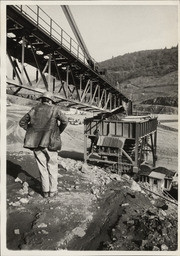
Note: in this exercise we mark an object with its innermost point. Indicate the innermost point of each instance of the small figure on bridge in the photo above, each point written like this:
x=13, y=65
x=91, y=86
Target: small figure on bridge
x=43, y=124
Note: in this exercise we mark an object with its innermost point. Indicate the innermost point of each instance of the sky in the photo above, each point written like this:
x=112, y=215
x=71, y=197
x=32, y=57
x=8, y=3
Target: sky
x=113, y=30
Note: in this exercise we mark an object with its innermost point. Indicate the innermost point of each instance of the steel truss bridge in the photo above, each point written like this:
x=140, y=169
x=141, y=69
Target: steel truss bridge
x=60, y=65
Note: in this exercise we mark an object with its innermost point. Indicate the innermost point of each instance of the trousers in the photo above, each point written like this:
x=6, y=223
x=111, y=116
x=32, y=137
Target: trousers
x=48, y=168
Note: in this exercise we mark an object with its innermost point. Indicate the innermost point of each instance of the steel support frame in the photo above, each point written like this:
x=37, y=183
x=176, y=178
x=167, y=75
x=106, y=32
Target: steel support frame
x=142, y=146
x=93, y=94
x=35, y=38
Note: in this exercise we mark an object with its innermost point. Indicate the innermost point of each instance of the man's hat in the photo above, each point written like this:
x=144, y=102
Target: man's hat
x=47, y=95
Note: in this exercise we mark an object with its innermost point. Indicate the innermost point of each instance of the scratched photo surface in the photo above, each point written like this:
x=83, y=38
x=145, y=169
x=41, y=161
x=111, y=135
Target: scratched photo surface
x=90, y=127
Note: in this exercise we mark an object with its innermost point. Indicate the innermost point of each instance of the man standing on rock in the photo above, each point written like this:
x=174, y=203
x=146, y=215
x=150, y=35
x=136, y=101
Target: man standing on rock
x=43, y=124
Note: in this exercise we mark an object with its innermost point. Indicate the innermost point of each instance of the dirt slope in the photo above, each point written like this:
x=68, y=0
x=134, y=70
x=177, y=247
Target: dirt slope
x=94, y=209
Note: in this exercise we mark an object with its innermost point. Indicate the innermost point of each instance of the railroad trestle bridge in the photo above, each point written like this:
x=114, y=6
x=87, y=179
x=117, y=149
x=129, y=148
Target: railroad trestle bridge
x=59, y=64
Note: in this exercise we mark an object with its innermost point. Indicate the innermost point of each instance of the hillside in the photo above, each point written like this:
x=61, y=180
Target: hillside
x=146, y=75
x=148, y=78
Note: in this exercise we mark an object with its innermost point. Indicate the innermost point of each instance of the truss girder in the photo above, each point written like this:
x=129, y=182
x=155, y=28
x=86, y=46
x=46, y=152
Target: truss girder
x=70, y=80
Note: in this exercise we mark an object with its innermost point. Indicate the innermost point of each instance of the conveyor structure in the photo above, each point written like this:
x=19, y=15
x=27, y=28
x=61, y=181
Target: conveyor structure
x=58, y=63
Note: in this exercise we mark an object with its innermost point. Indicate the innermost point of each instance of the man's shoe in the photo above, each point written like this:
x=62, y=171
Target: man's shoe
x=45, y=194
x=52, y=194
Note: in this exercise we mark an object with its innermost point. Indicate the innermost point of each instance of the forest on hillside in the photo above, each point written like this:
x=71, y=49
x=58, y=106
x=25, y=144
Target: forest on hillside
x=143, y=63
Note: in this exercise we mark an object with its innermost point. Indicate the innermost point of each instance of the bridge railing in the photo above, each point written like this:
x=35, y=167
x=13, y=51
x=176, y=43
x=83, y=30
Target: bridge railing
x=43, y=21
x=46, y=23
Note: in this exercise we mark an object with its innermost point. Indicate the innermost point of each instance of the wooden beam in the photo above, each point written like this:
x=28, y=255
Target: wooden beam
x=127, y=156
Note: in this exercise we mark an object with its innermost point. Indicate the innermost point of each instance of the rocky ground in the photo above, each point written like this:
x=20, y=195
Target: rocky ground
x=95, y=209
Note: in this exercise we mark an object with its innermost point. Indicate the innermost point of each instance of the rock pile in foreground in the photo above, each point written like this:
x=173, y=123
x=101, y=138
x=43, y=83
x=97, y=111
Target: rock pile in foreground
x=151, y=231
x=95, y=209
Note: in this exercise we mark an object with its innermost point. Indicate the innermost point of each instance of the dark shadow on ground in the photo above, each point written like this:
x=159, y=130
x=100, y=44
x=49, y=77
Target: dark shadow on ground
x=72, y=154
x=15, y=170
x=174, y=193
